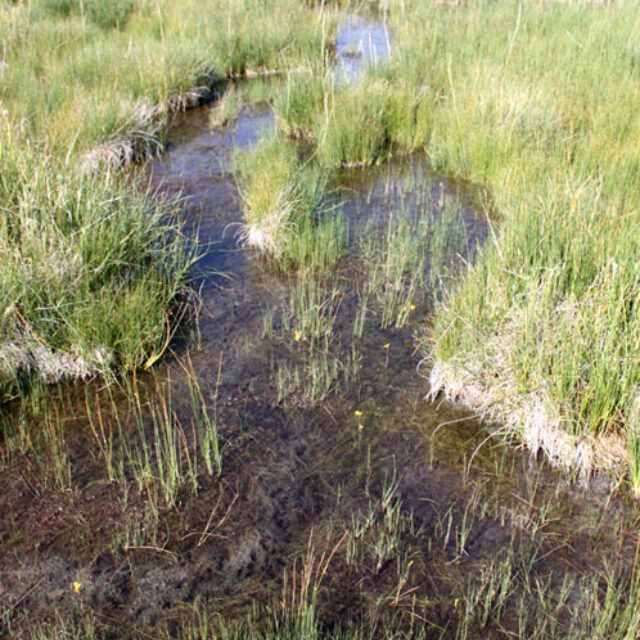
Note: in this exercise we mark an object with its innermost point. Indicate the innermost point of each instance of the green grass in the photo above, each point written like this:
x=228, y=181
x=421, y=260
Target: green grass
x=414, y=256
x=319, y=364
x=363, y=122
x=92, y=274
x=544, y=328
x=279, y=193
x=89, y=278
x=160, y=448
x=354, y=129
x=633, y=448
x=545, y=325
x=148, y=441
x=395, y=263
x=541, y=334
x=86, y=73
x=107, y=14
x=301, y=99
x=316, y=244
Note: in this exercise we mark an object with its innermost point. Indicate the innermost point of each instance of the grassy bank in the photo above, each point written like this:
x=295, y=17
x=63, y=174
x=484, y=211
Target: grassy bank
x=88, y=77
x=90, y=270
x=92, y=274
x=542, y=334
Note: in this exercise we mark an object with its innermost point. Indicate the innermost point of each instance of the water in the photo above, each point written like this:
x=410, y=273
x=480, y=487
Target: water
x=360, y=43
x=302, y=467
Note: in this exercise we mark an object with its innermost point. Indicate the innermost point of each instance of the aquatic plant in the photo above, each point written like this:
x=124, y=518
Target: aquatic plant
x=395, y=263
x=277, y=191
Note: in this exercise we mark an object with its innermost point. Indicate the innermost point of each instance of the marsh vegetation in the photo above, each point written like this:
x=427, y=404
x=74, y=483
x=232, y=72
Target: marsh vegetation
x=227, y=372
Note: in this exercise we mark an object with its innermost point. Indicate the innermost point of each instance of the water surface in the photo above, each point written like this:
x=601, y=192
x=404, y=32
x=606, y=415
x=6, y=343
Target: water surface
x=298, y=468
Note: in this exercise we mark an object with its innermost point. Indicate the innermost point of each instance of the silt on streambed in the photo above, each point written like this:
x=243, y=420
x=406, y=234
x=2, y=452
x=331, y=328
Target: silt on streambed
x=341, y=500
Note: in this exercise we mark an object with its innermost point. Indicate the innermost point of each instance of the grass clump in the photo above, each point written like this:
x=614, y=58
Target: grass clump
x=278, y=191
x=355, y=130
x=319, y=362
x=349, y=125
x=88, y=280
x=542, y=331
x=78, y=85
x=361, y=122
x=317, y=243
x=107, y=14
x=413, y=256
x=90, y=271
x=302, y=98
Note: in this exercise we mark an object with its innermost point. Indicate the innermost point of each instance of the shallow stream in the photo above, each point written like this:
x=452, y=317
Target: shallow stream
x=330, y=451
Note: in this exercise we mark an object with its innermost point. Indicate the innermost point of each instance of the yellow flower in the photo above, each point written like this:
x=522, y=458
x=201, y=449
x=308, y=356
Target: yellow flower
x=412, y=307
x=297, y=335
x=77, y=586
x=357, y=413
x=386, y=346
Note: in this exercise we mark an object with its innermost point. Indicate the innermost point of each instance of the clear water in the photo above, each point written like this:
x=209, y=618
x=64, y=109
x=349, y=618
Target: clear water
x=297, y=468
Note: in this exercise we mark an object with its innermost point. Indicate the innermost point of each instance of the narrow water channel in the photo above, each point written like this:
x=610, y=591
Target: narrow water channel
x=329, y=447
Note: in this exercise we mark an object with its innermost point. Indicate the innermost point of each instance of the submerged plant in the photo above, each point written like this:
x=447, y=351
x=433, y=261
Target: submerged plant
x=395, y=263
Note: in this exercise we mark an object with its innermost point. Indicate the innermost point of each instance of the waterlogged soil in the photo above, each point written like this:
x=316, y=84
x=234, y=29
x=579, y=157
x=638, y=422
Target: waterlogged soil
x=400, y=504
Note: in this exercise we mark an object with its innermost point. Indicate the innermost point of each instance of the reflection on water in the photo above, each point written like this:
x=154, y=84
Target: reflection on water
x=360, y=43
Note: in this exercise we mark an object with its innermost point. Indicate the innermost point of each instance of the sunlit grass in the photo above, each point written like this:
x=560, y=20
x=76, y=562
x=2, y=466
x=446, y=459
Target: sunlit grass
x=543, y=328
x=83, y=74
x=93, y=276
x=545, y=324
x=280, y=195
x=88, y=279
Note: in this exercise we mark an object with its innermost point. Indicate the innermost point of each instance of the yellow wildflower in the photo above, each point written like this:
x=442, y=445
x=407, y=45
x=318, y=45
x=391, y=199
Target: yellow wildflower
x=297, y=335
x=386, y=346
x=357, y=413
x=77, y=586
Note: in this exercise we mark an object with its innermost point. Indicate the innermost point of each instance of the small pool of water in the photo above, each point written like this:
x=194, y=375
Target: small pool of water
x=360, y=43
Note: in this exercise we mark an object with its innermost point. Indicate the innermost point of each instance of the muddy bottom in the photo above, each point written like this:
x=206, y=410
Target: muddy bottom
x=338, y=488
